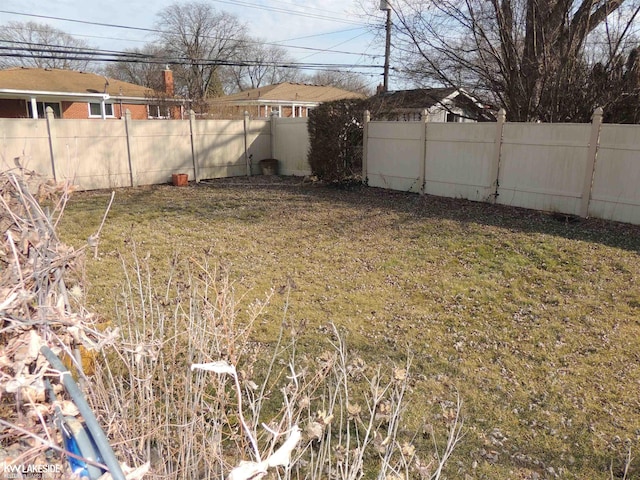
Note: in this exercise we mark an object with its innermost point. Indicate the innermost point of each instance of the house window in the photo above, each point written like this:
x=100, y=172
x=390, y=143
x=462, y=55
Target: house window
x=159, y=111
x=453, y=118
x=411, y=117
x=96, y=111
x=42, y=108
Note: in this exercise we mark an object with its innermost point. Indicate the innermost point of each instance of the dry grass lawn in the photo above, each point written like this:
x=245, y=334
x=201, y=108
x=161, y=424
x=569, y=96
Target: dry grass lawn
x=534, y=320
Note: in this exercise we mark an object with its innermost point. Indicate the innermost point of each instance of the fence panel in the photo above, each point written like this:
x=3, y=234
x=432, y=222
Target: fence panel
x=92, y=154
x=615, y=194
x=458, y=160
x=542, y=166
x=28, y=140
x=258, y=143
x=219, y=146
x=291, y=146
x=395, y=151
x=158, y=150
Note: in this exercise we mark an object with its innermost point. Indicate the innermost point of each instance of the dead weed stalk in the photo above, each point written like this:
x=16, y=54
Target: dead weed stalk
x=307, y=416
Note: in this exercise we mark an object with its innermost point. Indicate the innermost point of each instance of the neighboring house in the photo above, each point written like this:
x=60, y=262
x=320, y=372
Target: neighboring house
x=442, y=104
x=285, y=99
x=27, y=92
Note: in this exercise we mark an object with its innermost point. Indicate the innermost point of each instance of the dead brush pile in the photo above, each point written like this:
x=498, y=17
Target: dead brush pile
x=37, y=308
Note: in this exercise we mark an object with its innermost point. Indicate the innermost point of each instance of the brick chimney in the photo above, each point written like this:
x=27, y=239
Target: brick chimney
x=167, y=81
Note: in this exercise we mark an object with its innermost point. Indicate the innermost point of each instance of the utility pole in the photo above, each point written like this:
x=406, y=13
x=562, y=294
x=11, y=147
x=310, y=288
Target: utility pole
x=384, y=5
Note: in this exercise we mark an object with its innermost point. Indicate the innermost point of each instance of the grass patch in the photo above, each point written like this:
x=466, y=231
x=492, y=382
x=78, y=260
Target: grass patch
x=536, y=322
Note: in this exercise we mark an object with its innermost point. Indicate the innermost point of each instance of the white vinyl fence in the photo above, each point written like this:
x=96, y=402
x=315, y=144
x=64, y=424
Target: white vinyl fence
x=96, y=154
x=575, y=169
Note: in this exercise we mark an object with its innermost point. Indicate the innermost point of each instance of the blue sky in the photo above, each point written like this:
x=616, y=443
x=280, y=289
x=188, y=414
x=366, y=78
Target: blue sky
x=330, y=24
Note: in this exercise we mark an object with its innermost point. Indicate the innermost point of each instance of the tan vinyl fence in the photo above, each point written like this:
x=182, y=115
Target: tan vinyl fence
x=291, y=145
x=575, y=169
x=96, y=154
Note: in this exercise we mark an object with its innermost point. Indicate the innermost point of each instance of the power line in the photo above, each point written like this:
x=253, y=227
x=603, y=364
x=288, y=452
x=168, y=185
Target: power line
x=85, y=22
x=110, y=25
x=318, y=50
x=337, y=45
x=274, y=42
x=290, y=12
x=306, y=7
x=335, y=32
x=48, y=51
x=47, y=47
x=53, y=52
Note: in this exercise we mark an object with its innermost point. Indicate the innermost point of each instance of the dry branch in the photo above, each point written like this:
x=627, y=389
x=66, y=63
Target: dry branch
x=35, y=310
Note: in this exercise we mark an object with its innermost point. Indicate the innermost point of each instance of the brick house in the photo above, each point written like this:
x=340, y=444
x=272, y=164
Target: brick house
x=286, y=99
x=27, y=92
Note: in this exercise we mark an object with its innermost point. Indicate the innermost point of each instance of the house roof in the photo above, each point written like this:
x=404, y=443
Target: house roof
x=289, y=92
x=55, y=81
x=421, y=98
x=417, y=98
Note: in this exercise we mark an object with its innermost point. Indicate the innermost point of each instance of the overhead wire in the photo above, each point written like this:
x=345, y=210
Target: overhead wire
x=19, y=46
x=290, y=12
x=157, y=31
x=335, y=32
x=329, y=49
x=48, y=51
x=45, y=51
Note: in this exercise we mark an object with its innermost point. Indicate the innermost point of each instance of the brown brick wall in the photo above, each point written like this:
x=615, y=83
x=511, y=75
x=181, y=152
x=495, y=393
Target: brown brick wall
x=80, y=110
x=138, y=112
x=75, y=110
x=13, y=108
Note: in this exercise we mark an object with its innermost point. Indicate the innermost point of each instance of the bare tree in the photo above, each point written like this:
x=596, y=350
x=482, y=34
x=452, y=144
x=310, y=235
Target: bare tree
x=259, y=64
x=38, y=45
x=147, y=71
x=199, y=40
x=617, y=87
x=532, y=56
x=351, y=81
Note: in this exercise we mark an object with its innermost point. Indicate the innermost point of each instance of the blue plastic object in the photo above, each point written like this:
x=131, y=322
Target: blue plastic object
x=77, y=439
x=93, y=428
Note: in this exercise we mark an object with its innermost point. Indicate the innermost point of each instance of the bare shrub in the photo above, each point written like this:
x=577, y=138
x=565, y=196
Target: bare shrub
x=201, y=424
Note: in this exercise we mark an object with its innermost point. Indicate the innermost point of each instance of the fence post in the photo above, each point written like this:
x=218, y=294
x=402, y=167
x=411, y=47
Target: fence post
x=245, y=124
x=272, y=130
x=423, y=139
x=127, y=121
x=596, y=123
x=49, y=115
x=365, y=147
x=494, y=174
x=192, y=134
